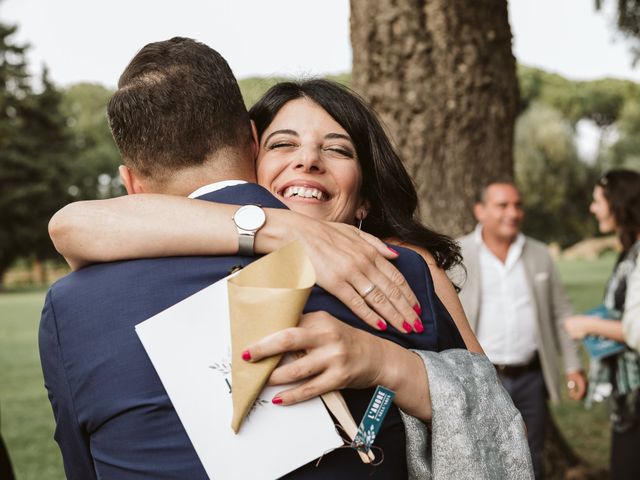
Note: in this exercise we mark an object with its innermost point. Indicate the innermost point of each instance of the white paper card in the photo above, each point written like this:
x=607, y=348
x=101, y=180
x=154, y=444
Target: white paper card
x=190, y=348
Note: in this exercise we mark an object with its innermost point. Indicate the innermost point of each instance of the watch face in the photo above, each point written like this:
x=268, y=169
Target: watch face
x=249, y=217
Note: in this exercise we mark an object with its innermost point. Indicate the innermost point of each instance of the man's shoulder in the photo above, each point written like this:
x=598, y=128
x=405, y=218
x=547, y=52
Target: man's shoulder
x=141, y=284
x=537, y=248
x=467, y=242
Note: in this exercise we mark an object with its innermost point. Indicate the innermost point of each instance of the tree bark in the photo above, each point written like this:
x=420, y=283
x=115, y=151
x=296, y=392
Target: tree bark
x=441, y=75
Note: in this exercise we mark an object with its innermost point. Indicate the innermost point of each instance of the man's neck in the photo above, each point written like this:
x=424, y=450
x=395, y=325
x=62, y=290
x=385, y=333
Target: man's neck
x=185, y=188
x=187, y=180
x=499, y=246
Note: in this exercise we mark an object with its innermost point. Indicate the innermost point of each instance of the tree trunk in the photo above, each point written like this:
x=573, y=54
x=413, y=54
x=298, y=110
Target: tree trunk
x=441, y=75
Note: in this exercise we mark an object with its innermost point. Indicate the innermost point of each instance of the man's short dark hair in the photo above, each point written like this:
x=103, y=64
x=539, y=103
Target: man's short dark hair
x=481, y=197
x=177, y=103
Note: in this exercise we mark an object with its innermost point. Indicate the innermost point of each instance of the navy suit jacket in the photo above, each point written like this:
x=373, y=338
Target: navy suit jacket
x=114, y=418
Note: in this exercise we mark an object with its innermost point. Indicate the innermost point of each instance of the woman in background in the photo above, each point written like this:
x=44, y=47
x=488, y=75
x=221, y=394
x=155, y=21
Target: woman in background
x=616, y=206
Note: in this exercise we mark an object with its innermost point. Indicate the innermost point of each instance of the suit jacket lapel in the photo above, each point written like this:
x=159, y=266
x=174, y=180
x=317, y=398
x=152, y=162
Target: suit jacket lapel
x=472, y=285
x=528, y=261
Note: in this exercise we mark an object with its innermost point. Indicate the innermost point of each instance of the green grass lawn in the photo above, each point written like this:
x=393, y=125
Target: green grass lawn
x=586, y=430
x=27, y=421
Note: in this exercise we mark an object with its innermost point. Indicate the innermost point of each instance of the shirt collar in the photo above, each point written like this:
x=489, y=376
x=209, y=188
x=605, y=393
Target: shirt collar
x=212, y=187
x=515, y=249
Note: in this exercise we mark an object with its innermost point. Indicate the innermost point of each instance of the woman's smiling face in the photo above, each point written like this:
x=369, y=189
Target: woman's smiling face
x=309, y=162
x=601, y=210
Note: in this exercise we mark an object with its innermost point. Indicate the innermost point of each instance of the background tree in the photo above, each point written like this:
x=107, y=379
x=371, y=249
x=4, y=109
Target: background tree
x=35, y=158
x=628, y=22
x=14, y=87
x=95, y=163
x=625, y=151
x=545, y=152
x=600, y=101
x=442, y=76
x=42, y=176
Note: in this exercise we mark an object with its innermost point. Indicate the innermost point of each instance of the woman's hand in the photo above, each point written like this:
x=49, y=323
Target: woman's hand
x=578, y=326
x=337, y=356
x=354, y=267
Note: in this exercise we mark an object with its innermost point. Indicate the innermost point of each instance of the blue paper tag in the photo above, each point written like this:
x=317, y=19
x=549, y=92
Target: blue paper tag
x=373, y=418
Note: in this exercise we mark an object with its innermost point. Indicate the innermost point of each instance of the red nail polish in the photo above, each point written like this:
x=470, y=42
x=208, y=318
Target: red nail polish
x=417, y=309
x=407, y=327
x=246, y=355
x=418, y=326
x=276, y=400
x=394, y=251
x=382, y=325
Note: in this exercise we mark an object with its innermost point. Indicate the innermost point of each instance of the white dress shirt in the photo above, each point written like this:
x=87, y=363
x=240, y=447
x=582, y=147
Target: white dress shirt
x=507, y=324
x=212, y=187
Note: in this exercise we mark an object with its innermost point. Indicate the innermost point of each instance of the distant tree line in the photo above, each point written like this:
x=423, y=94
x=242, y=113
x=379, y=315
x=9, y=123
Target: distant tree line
x=56, y=147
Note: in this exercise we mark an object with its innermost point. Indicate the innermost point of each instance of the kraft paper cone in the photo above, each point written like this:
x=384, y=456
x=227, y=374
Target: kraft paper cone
x=264, y=297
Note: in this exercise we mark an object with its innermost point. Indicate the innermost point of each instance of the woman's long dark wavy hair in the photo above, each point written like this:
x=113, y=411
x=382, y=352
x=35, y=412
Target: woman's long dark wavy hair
x=386, y=185
x=621, y=188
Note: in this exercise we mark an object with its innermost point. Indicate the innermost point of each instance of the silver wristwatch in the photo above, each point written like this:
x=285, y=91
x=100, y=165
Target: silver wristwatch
x=248, y=219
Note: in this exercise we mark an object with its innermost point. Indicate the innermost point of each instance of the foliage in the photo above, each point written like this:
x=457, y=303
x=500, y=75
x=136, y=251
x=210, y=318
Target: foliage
x=55, y=147
x=625, y=152
x=556, y=186
x=95, y=165
x=253, y=88
x=13, y=88
x=628, y=22
x=35, y=157
x=597, y=100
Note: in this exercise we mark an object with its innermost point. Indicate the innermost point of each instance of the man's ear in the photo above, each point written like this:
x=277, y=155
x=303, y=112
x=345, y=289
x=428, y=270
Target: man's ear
x=130, y=180
x=478, y=211
x=255, y=144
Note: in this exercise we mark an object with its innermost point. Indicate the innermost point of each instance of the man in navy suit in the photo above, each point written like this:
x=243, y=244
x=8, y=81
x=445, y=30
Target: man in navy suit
x=181, y=125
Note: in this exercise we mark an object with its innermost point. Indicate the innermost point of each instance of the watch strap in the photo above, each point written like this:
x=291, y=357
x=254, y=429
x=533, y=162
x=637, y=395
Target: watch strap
x=245, y=244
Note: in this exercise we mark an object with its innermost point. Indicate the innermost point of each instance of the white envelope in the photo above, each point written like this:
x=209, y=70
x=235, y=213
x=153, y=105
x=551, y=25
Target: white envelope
x=190, y=348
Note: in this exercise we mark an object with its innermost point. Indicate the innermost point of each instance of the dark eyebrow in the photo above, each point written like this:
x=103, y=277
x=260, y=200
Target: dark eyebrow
x=332, y=136
x=286, y=131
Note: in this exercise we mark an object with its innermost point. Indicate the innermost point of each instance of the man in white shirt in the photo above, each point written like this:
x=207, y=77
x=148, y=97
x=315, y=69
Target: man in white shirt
x=515, y=303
